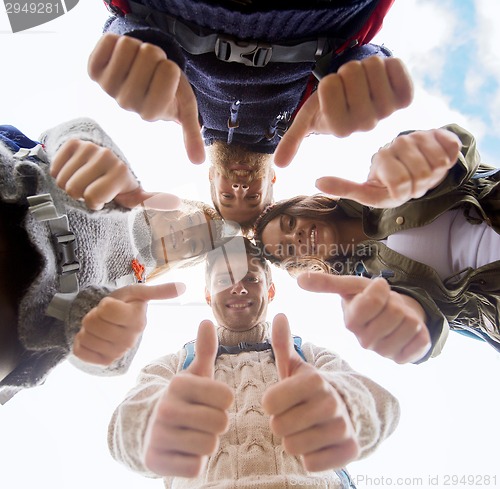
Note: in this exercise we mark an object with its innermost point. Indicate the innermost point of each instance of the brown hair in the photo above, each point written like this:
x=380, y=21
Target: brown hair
x=316, y=206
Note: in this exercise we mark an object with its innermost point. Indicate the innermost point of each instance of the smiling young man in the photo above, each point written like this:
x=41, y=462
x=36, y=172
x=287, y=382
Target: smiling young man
x=241, y=74
x=241, y=182
x=232, y=409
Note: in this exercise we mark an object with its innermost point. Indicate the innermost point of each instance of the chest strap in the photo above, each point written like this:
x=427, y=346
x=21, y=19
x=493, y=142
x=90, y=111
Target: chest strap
x=43, y=209
x=196, y=40
x=239, y=348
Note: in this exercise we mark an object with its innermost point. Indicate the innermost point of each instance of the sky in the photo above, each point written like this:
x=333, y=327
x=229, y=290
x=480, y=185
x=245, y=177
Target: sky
x=55, y=435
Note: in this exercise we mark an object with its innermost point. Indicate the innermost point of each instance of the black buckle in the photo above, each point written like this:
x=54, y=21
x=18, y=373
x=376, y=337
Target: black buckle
x=66, y=246
x=248, y=53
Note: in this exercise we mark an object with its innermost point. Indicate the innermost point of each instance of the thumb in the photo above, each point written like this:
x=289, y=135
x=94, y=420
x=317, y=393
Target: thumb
x=301, y=127
x=139, y=195
x=141, y=292
x=346, y=286
x=450, y=142
x=188, y=117
x=372, y=193
x=286, y=358
x=206, y=351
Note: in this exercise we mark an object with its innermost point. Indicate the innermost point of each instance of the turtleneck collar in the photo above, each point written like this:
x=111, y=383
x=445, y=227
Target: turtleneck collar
x=257, y=334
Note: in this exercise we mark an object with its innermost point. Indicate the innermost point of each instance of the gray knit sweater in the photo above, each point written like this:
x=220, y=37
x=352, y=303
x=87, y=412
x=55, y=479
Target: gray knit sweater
x=249, y=455
x=107, y=241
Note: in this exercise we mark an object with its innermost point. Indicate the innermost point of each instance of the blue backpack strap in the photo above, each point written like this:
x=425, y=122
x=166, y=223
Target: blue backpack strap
x=297, y=343
x=345, y=479
x=15, y=139
x=189, y=347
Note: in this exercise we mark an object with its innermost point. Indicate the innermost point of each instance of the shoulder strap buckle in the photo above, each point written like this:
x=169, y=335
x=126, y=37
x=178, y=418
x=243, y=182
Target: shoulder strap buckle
x=254, y=54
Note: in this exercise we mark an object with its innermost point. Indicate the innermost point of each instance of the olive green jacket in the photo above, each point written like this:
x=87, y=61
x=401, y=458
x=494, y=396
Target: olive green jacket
x=469, y=301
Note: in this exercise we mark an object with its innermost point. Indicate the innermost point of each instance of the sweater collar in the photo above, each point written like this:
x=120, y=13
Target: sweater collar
x=257, y=334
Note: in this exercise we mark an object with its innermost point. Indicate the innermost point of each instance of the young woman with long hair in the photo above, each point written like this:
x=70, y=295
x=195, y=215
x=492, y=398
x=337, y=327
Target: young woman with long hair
x=437, y=255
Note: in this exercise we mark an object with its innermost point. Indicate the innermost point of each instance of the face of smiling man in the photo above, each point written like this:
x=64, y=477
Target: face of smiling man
x=240, y=182
x=239, y=293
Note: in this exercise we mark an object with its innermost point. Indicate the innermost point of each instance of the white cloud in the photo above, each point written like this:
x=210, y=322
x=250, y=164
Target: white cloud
x=420, y=32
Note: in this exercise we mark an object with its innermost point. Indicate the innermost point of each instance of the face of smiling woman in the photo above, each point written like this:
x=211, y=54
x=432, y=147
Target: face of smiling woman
x=286, y=236
x=178, y=236
x=239, y=297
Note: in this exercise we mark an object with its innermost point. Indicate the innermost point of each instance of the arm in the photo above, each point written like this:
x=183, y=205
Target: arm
x=173, y=421
x=87, y=171
x=384, y=320
x=141, y=78
x=324, y=411
x=402, y=170
x=104, y=328
x=373, y=411
x=87, y=165
x=363, y=91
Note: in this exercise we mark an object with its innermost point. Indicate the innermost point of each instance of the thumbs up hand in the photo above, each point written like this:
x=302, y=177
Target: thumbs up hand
x=140, y=77
x=191, y=415
x=85, y=170
x=306, y=411
x=383, y=320
x=113, y=327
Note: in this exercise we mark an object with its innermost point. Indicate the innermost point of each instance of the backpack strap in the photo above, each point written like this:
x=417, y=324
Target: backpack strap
x=240, y=347
x=43, y=209
x=196, y=41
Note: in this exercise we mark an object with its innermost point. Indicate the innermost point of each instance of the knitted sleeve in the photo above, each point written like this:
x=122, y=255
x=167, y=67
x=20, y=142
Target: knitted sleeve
x=129, y=423
x=373, y=410
x=87, y=299
x=84, y=129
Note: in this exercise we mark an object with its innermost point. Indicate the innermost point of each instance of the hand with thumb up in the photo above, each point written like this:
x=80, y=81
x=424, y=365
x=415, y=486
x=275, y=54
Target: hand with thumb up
x=306, y=411
x=191, y=415
x=114, y=326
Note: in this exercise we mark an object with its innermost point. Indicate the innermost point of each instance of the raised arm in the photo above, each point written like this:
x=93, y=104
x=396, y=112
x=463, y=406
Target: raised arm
x=355, y=98
x=326, y=412
x=171, y=423
x=404, y=169
x=387, y=322
x=140, y=78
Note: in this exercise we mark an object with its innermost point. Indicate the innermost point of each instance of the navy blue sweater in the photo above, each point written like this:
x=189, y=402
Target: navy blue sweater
x=261, y=96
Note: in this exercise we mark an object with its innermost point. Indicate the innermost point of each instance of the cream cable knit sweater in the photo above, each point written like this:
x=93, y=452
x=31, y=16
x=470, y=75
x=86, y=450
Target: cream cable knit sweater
x=249, y=455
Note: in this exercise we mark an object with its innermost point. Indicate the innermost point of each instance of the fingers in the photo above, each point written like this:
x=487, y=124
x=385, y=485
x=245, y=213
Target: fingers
x=300, y=128
x=88, y=171
x=400, y=82
x=138, y=75
x=371, y=193
x=360, y=94
x=333, y=456
x=138, y=196
x=346, y=286
x=108, y=331
x=188, y=117
x=309, y=415
x=206, y=351
x=101, y=55
x=383, y=322
x=140, y=292
x=286, y=358
x=414, y=163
